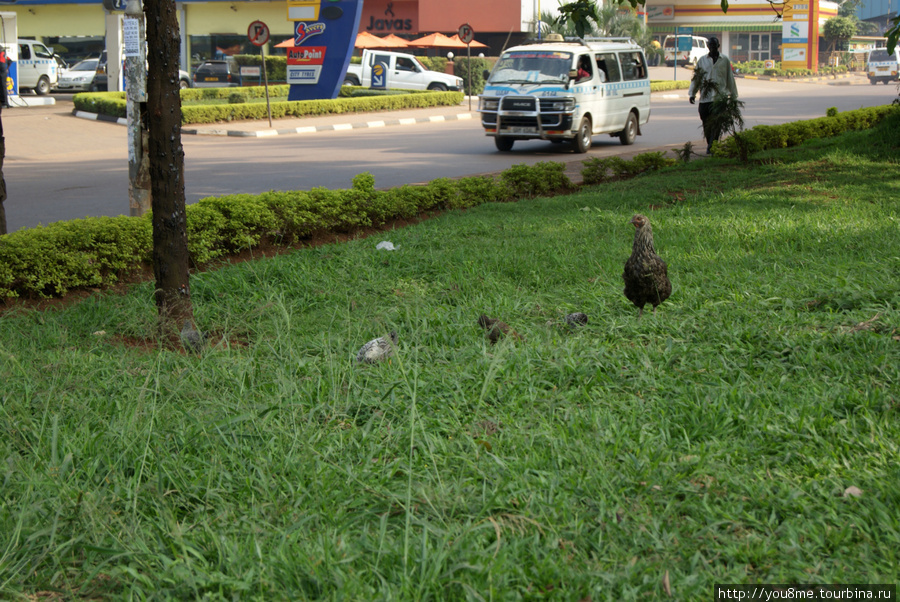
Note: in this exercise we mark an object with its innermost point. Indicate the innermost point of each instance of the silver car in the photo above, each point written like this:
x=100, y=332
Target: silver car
x=79, y=77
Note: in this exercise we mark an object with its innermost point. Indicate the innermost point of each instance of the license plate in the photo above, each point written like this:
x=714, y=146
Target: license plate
x=519, y=130
x=210, y=79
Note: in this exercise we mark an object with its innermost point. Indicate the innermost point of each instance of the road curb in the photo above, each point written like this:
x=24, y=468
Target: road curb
x=798, y=80
x=194, y=131
x=100, y=117
x=324, y=128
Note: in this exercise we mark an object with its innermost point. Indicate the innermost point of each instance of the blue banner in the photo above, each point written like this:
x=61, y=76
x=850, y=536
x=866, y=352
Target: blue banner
x=324, y=37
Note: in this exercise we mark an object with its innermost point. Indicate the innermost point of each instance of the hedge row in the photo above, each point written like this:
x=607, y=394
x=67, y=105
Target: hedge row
x=113, y=103
x=768, y=137
x=92, y=252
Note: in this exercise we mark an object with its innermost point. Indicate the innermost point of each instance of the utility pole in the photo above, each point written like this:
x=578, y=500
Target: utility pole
x=139, y=197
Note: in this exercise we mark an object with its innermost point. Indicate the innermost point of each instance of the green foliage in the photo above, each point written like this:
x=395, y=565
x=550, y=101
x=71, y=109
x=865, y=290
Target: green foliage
x=837, y=31
x=476, y=77
x=831, y=112
x=716, y=441
x=599, y=170
x=49, y=261
x=352, y=100
x=581, y=15
x=236, y=98
x=524, y=181
x=301, y=108
x=276, y=66
x=766, y=137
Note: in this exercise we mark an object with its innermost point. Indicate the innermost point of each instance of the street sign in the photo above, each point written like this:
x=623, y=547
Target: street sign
x=258, y=33
x=685, y=41
x=114, y=5
x=466, y=33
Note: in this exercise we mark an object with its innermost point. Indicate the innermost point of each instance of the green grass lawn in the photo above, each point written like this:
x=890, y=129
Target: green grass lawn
x=712, y=442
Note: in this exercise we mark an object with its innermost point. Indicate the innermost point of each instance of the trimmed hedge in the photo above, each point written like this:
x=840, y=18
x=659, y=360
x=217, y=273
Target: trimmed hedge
x=767, y=137
x=50, y=260
x=113, y=103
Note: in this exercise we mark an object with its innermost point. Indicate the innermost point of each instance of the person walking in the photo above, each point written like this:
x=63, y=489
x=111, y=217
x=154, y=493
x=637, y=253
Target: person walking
x=713, y=79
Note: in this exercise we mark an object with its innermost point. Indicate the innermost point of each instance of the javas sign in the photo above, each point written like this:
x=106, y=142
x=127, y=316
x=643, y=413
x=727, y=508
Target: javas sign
x=324, y=35
x=390, y=17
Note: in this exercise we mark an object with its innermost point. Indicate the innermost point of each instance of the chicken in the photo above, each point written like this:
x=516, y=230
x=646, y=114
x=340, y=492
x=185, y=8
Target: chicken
x=576, y=319
x=377, y=350
x=191, y=339
x=645, y=275
x=496, y=329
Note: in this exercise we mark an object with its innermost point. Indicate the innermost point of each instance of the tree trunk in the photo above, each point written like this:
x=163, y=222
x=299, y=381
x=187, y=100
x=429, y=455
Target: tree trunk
x=2, y=179
x=2, y=182
x=170, y=251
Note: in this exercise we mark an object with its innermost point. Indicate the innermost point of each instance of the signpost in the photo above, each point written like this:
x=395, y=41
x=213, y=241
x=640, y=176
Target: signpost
x=467, y=34
x=258, y=34
x=139, y=198
x=682, y=44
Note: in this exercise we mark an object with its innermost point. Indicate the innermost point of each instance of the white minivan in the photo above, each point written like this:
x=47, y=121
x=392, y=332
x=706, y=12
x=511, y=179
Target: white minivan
x=883, y=67
x=698, y=49
x=37, y=67
x=566, y=91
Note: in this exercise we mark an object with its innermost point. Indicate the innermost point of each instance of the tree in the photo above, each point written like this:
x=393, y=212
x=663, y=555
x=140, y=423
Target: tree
x=170, y=251
x=838, y=31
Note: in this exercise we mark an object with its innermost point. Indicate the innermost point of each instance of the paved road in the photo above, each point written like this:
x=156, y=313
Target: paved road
x=62, y=167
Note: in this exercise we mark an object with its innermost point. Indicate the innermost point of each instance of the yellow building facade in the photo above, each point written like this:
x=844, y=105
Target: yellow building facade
x=751, y=29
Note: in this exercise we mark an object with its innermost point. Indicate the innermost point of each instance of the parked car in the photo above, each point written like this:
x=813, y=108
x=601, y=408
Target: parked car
x=101, y=83
x=217, y=74
x=79, y=77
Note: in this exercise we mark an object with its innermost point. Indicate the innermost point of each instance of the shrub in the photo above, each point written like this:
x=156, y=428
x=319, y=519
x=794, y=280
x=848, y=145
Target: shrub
x=764, y=137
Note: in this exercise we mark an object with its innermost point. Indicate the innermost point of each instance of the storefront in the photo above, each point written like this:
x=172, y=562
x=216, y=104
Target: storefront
x=212, y=28
x=749, y=31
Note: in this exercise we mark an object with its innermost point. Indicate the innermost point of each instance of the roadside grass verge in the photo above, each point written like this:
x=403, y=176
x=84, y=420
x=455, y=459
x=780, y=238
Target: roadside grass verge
x=712, y=442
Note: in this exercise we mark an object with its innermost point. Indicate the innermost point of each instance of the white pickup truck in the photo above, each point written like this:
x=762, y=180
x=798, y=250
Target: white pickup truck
x=403, y=71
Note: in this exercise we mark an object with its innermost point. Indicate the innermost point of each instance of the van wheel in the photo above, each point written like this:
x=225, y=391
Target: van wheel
x=503, y=143
x=582, y=142
x=43, y=86
x=350, y=82
x=628, y=135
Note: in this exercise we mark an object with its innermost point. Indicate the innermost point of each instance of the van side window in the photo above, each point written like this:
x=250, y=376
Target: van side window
x=608, y=64
x=24, y=52
x=633, y=66
x=585, y=70
x=41, y=52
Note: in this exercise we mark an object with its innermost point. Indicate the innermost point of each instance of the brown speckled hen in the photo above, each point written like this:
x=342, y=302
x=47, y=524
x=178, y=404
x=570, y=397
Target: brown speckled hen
x=497, y=329
x=645, y=275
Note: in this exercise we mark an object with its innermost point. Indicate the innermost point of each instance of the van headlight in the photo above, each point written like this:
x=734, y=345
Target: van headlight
x=562, y=104
x=490, y=104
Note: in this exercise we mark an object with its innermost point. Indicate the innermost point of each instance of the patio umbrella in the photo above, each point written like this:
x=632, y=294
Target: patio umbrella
x=288, y=43
x=473, y=43
x=396, y=41
x=368, y=40
x=436, y=40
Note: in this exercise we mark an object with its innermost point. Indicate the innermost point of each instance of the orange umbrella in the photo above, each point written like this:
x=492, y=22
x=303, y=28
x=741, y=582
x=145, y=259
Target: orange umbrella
x=368, y=40
x=288, y=43
x=473, y=43
x=437, y=40
x=396, y=41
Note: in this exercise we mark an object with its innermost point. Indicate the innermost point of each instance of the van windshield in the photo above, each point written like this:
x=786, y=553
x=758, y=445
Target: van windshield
x=879, y=56
x=530, y=67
